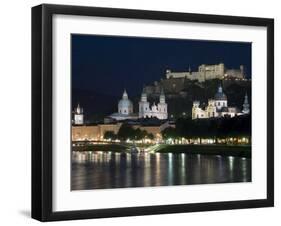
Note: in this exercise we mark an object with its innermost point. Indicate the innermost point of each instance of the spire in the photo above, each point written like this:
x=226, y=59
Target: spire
x=143, y=95
x=125, y=95
x=78, y=109
x=220, y=89
x=189, y=69
x=162, y=96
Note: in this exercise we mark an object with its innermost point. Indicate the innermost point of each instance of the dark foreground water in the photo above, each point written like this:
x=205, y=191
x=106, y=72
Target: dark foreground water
x=100, y=170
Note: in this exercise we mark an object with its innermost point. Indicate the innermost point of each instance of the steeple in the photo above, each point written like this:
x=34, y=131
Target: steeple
x=162, y=96
x=125, y=95
x=143, y=95
x=220, y=89
x=189, y=69
x=246, y=106
x=78, y=110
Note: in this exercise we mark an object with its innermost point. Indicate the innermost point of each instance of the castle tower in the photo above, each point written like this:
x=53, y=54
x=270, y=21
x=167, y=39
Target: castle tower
x=78, y=115
x=144, y=109
x=246, y=106
x=125, y=106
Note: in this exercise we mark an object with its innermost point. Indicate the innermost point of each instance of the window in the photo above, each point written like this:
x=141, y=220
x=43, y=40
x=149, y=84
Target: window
x=219, y=103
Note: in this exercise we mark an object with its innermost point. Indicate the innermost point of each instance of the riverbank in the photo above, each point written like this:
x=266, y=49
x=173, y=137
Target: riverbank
x=225, y=150
x=102, y=147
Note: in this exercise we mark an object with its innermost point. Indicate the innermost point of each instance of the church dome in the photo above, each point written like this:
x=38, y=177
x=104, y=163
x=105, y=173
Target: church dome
x=220, y=95
x=125, y=106
x=125, y=103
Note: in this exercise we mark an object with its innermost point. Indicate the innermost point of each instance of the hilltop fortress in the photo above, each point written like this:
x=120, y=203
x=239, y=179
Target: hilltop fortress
x=207, y=72
x=174, y=83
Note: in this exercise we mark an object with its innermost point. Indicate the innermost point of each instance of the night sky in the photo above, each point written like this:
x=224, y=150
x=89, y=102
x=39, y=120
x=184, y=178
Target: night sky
x=108, y=64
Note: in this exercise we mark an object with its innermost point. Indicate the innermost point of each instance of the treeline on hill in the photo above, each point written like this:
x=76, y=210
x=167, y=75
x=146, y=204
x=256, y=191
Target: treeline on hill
x=128, y=132
x=210, y=128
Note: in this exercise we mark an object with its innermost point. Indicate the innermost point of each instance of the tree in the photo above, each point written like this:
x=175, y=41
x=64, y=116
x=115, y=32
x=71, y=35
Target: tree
x=109, y=135
x=169, y=132
x=150, y=136
x=126, y=132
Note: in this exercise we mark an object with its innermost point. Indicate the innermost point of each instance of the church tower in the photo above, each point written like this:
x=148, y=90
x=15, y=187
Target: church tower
x=246, y=106
x=195, y=109
x=78, y=116
x=162, y=106
x=143, y=105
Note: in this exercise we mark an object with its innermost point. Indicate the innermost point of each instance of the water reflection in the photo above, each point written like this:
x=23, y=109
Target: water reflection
x=100, y=170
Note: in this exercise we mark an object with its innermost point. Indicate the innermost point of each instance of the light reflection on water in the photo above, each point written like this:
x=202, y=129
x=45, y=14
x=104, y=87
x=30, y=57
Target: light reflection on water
x=100, y=170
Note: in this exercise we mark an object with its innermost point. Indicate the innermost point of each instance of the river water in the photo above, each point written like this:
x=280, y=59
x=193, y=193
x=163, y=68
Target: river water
x=101, y=170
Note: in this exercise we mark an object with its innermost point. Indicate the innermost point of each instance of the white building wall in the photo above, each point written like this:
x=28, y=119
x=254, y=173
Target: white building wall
x=78, y=119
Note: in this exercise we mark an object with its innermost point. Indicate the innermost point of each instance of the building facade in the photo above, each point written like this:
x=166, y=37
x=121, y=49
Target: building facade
x=96, y=132
x=218, y=107
x=159, y=111
x=93, y=132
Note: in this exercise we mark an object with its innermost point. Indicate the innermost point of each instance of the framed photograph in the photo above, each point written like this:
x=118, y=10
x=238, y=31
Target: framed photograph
x=146, y=112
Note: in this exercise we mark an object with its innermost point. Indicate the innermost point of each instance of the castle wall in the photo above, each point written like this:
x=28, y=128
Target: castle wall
x=211, y=71
x=234, y=73
x=207, y=72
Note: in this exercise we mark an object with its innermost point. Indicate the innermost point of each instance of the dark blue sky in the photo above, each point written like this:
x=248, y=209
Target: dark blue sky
x=108, y=64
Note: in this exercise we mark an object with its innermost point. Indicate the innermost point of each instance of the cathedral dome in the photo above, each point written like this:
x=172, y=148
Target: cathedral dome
x=220, y=95
x=125, y=106
x=125, y=103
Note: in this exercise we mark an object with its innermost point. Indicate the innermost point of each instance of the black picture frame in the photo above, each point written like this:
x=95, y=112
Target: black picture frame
x=42, y=111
